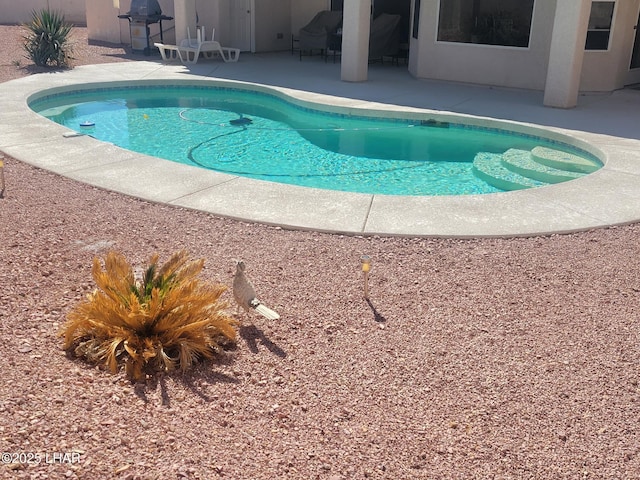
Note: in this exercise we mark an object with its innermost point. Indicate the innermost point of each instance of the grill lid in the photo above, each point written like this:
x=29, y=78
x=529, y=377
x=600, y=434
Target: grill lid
x=145, y=8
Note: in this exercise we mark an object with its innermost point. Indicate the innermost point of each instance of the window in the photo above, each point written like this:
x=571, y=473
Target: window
x=416, y=18
x=487, y=22
x=396, y=7
x=600, y=22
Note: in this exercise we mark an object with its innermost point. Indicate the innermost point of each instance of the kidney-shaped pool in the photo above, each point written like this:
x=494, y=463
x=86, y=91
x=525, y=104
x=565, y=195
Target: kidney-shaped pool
x=264, y=136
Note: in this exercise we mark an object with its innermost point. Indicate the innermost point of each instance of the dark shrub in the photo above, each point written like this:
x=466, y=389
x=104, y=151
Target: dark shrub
x=47, y=42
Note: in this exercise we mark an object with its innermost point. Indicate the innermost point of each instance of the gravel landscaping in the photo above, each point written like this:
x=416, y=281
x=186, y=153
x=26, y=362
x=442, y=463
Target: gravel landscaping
x=472, y=359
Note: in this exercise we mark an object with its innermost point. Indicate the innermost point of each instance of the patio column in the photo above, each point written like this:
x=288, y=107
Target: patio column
x=567, y=52
x=185, y=17
x=356, y=24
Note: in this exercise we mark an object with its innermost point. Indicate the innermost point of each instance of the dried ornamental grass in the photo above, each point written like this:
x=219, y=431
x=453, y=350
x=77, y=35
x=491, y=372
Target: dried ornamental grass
x=168, y=319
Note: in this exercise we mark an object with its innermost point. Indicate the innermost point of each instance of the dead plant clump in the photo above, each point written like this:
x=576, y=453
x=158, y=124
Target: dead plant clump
x=166, y=320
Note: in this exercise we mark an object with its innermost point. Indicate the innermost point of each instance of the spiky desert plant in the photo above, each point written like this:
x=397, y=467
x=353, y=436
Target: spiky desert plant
x=47, y=42
x=167, y=319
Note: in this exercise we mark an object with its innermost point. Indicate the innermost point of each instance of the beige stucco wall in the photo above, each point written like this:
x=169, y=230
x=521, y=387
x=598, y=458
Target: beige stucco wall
x=209, y=17
x=215, y=14
x=19, y=11
x=484, y=64
x=275, y=34
x=566, y=53
x=604, y=71
x=520, y=67
x=103, y=24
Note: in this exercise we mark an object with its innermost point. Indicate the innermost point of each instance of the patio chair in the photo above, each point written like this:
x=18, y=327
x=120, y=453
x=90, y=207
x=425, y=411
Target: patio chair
x=315, y=35
x=211, y=48
x=187, y=52
x=171, y=53
x=384, y=38
x=190, y=49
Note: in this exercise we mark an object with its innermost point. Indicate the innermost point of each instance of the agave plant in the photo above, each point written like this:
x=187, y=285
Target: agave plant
x=47, y=42
x=168, y=319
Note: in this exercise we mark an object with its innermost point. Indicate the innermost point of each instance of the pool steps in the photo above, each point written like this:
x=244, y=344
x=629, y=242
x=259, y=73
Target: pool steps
x=527, y=165
x=489, y=167
x=563, y=160
x=519, y=169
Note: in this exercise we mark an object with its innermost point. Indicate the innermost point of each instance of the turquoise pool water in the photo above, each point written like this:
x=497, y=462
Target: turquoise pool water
x=261, y=136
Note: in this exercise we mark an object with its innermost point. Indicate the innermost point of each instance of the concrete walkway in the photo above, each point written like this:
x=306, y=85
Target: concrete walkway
x=608, y=124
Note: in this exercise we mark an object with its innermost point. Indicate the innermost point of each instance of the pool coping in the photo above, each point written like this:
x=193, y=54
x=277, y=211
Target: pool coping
x=610, y=196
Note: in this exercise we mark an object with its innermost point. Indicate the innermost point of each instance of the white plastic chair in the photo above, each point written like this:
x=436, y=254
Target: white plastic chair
x=211, y=48
x=190, y=49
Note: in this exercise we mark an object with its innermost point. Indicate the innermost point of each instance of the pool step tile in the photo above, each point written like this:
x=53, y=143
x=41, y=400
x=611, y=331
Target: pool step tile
x=489, y=167
x=524, y=163
x=563, y=160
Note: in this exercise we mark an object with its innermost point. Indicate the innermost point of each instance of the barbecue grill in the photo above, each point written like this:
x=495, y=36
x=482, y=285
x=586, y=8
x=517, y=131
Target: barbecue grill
x=142, y=14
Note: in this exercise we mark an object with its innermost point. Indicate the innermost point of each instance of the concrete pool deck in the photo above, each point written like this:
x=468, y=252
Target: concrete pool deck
x=609, y=123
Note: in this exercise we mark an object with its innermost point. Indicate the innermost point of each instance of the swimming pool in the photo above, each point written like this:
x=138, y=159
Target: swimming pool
x=263, y=136
x=609, y=196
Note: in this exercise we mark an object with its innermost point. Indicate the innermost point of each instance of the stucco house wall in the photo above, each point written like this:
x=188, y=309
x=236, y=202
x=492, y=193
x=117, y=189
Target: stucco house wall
x=485, y=64
x=276, y=20
x=19, y=11
x=609, y=70
x=602, y=71
x=285, y=17
x=104, y=25
x=275, y=34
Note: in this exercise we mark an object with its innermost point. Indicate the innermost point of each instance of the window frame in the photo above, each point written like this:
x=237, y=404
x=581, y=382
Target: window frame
x=488, y=45
x=415, y=21
x=598, y=30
